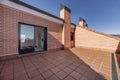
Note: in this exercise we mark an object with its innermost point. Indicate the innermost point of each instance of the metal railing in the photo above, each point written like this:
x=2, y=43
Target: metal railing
x=115, y=68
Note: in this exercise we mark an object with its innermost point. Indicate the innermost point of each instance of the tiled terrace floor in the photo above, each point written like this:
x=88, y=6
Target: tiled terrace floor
x=98, y=60
x=74, y=64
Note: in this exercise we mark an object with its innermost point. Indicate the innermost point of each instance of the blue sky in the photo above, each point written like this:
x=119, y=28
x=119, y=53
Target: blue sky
x=100, y=15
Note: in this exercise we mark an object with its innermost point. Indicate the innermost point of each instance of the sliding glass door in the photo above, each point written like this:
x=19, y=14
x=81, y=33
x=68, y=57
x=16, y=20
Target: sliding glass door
x=32, y=38
x=26, y=38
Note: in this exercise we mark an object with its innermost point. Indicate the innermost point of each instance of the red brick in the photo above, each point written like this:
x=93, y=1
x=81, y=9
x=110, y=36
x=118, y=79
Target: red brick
x=85, y=37
x=12, y=17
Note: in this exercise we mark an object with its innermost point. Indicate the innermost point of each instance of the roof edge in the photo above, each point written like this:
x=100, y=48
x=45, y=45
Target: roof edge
x=73, y=24
x=36, y=9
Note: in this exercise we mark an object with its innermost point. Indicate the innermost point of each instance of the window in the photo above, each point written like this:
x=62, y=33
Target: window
x=72, y=35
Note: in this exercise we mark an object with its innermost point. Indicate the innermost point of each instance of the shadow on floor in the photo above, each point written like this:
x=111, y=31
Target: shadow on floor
x=53, y=65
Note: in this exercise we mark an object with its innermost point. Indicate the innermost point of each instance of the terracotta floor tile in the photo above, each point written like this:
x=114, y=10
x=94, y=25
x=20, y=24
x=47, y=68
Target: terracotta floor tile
x=84, y=66
x=53, y=78
x=18, y=69
x=6, y=77
x=73, y=64
x=61, y=74
x=90, y=74
x=30, y=69
x=80, y=70
x=47, y=74
x=55, y=70
x=76, y=63
x=61, y=66
x=1, y=66
x=66, y=63
x=69, y=78
x=85, y=78
x=67, y=70
x=37, y=78
x=41, y=70
x=21, y=77
x=99, y=77
x=73, y=67
x=33, y=73
x=50, y=66
x=20, y=74
x=75, y=75
x=6, y=72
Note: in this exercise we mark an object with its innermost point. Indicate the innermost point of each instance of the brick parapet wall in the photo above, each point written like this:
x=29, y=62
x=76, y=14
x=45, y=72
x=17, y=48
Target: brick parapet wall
x=88, y=38
x=107, y=35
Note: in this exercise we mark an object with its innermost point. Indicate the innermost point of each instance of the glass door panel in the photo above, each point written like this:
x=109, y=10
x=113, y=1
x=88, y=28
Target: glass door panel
x=26, y=38
x=39, y=38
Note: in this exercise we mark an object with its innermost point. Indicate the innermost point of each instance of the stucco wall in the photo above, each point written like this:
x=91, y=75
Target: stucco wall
x=11, y=17
x=91, y=39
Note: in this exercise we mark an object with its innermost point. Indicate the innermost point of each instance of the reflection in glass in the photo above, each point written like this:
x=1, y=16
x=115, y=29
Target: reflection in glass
x=26, y=36
x=39, y=38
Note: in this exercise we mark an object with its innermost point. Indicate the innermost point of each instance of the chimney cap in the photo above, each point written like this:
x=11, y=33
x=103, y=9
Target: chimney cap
x=64, y=7
x=81, y=19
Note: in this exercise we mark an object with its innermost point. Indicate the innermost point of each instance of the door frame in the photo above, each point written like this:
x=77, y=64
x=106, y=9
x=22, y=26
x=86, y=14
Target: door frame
x=45, y=38
x=24, y=51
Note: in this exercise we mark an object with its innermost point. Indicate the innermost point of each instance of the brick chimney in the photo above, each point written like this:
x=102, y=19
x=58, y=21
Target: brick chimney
x=65, y=14
x=82, y=23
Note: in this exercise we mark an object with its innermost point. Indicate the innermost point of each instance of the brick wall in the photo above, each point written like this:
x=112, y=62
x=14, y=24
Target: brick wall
x=66, y=15
x=118, y=48
x=11, y=17
x=0, y=29
x=86, y=38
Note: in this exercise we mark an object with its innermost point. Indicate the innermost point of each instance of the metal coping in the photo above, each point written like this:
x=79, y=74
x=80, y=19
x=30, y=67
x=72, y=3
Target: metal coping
x=34, y=8
x=114, y=68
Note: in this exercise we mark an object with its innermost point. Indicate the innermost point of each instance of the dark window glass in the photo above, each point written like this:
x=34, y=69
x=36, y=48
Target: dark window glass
x=72, y=35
